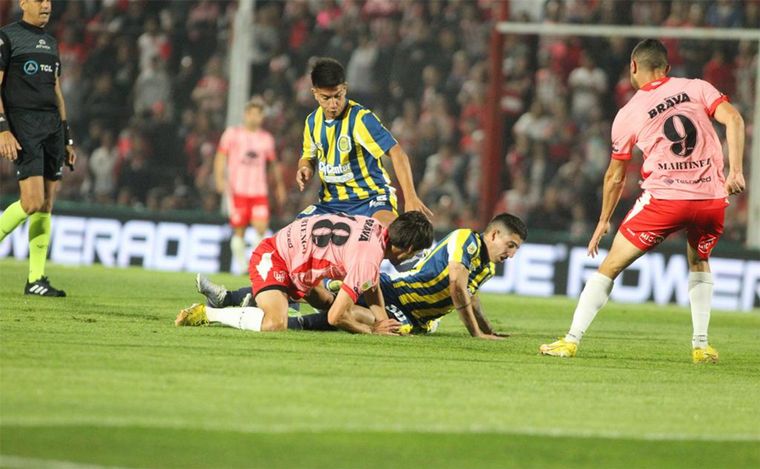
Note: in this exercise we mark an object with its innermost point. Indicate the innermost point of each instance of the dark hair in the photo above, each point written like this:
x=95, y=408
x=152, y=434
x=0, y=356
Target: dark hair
x=327, y=73
x=510, y=222
x=650, y=54
x=411, y=230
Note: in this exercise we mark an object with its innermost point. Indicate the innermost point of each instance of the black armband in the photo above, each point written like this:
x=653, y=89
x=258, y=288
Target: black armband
x=67, y=133
x=4, y=127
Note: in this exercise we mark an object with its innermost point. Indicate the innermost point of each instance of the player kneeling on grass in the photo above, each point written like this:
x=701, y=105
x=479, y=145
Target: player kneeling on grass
x=684, y=187
x=296, y=259
x=447, y=278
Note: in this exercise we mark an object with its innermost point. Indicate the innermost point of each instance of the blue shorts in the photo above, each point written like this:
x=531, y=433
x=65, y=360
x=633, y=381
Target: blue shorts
x=366, y=207
x=395, y=310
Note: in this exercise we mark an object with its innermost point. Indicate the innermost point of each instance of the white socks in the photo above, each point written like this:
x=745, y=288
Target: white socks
x=237, y=246
x=248, y=318
x=700, y=297
x=592, y=299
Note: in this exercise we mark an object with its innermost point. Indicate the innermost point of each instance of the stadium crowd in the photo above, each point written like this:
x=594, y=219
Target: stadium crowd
x=146, y=83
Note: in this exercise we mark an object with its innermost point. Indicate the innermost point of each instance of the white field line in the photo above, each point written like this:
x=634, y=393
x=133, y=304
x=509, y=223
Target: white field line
x=282, y=428
x=20, y=462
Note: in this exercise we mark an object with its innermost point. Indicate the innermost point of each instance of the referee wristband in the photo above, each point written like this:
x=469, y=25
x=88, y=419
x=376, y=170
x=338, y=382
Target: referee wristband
x=4, y=127
x=67, y=133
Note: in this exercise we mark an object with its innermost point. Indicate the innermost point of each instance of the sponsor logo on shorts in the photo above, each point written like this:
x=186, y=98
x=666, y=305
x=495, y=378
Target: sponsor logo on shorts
x=706, y=245
x=379, y=201
x=650, y=239
x=279, y=276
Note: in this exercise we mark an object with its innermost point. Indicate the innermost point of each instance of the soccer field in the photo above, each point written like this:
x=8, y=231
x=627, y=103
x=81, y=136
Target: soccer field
x=103, y=378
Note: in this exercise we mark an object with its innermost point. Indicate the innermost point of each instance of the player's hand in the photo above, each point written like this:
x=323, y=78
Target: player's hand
x=415, y=204
x=304, y=175
x=386, y=327
x=9, y=146
x=601, y=229
x=735, y=183
x=491, y=336
x=71, y=157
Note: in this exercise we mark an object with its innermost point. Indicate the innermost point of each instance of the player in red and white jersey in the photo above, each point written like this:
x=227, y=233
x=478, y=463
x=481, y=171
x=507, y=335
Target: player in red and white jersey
x=245, y=155
x=669, y=119
x=291, y=263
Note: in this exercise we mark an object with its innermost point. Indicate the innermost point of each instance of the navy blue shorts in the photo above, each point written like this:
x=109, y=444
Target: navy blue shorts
x=366, y=207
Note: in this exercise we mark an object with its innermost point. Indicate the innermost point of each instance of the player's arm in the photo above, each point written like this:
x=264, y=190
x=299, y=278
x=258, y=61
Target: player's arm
x=403, y=170
x=9, y=146
x=483, y=322
x=308, y=162
x=614, y=181
x=727, y=115
x=281, y=193
x=220, y=170
x=463, y=301
x=71, y=156
x=341, y=317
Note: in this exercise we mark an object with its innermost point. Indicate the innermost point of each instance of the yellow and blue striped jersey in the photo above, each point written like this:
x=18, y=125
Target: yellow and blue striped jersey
x=348, y=152
x=424, y=291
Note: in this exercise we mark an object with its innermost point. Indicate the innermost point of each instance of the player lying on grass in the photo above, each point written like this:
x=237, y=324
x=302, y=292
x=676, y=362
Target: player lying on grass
x=299, y=256
x=447, y=278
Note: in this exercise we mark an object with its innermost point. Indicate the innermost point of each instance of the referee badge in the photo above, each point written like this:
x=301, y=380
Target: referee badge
x=344, y=144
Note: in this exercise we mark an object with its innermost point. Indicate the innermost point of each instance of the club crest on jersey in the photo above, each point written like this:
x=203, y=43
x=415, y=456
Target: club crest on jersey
x=344, y=144
x=471, y=249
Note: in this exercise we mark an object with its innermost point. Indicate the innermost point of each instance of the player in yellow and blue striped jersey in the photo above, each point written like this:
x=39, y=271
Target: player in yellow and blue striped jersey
x=446, y=279
x=450, y=275
x=344, y=142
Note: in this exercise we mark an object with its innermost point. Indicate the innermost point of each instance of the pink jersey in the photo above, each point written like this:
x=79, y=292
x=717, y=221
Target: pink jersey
x=670, y=121
x=247, y=155
x=333, y=246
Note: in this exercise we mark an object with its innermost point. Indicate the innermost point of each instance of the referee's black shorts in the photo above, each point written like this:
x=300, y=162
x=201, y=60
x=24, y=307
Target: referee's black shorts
x=43, y=150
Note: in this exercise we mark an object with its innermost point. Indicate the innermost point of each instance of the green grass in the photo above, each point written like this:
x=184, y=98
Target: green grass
x=103, y=377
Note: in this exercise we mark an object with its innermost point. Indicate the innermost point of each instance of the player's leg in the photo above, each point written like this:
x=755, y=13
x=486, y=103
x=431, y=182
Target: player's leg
x=29, y=168
x=702, y=234
x=700, y=299
x=237, y=246
x=32, y=197
x=39, y=232
x=259, y=221
x=318, y=321
x=594, y=296
x=37, y=196
x=240, y=217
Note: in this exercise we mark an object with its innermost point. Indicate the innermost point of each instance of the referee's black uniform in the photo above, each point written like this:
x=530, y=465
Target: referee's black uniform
x=29, y=58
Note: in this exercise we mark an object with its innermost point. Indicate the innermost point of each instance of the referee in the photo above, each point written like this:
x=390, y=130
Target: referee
x=33, y=132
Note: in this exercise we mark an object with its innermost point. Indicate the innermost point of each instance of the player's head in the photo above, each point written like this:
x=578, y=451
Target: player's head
x=328, y=84
x=254, y=113
x=503, y=236
x=408, y=234
x=36, y=12
x=649, y=61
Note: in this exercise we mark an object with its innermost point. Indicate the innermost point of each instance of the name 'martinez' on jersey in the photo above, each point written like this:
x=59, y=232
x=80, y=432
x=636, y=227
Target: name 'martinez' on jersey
x=348, y=150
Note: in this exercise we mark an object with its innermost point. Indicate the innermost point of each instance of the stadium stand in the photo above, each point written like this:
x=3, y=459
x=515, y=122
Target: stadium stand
x=145, y=85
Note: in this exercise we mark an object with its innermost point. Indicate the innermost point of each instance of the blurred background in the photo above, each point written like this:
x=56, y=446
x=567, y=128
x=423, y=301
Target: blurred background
x=146, y=85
